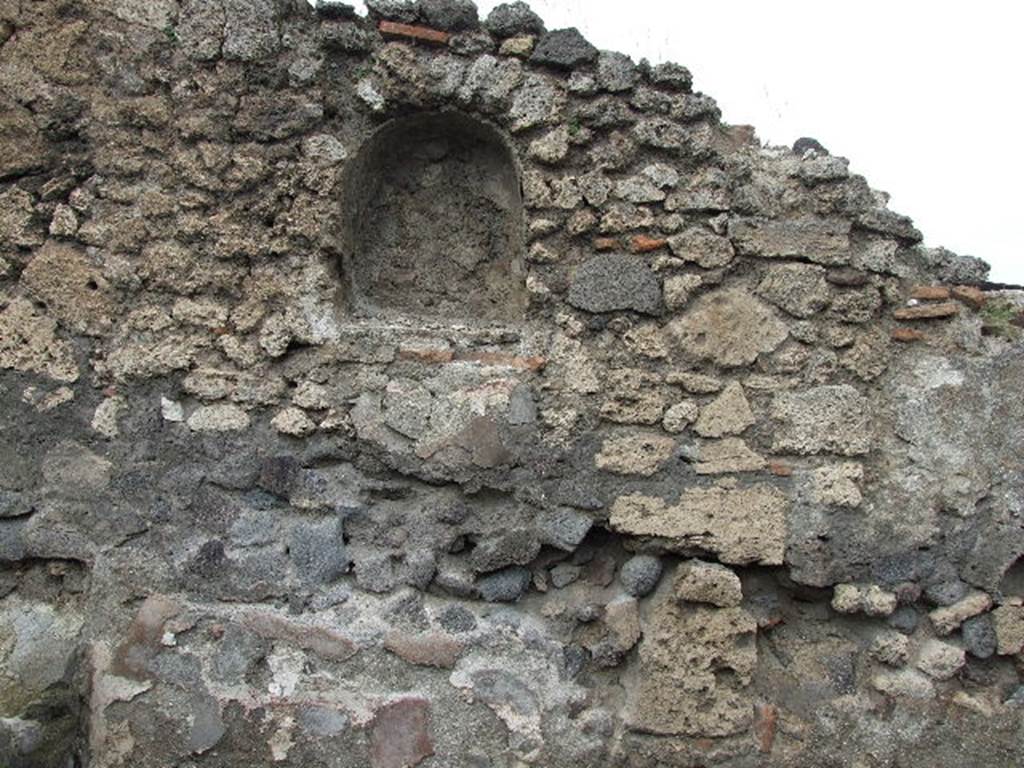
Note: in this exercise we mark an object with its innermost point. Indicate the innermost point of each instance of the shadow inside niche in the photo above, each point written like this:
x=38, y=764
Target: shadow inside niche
x=434, y=221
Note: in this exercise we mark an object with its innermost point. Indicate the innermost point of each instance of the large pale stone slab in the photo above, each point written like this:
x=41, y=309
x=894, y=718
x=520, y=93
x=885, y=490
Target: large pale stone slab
x=825, y=241
x=740, y=526
x=695, y=664
x=830, y=419
x=730, y=327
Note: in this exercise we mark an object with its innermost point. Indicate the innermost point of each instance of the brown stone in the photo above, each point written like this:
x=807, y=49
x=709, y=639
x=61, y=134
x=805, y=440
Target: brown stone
x=930, y=293
x=321, y=641
x=645, y=244
x=606, y=243
x=765, y=718
x=131, y=659
x=907, y=335
x=927, y=311
x=779, y=469
x=973, y=297
x=695, y=663
x=400, y=734
x=426, y=355
x=428, y=649
x=414, y=32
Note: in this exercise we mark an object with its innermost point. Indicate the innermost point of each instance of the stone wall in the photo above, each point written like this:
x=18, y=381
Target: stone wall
x=421, y=391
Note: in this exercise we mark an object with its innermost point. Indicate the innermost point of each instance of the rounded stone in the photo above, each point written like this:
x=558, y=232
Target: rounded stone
x=510, y=19
x=505, y=586
x=564, y=48
x=639, y=575
x=979, y=636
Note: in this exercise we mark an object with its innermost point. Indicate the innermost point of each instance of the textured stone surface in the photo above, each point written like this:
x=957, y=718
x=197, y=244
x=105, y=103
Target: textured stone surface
x=830, y=418
x=739, y=526
x=608, y=283
x=949, y=618
x=360, y=375
x=635, y=454
x=731, y=328
x=727, y=414
x=691, y=698
x=700, y=582
x=563, y=48
x=639, y=575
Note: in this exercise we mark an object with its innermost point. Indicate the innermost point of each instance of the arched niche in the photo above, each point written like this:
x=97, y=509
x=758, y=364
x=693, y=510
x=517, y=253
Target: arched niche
x=434, y=222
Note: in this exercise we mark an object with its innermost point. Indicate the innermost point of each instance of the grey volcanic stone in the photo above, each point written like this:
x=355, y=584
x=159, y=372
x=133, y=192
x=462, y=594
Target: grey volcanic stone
x=806, y=143
x=453, y=15
x=251, y=29
x=331, y=9
x=318, y=551
x=563, y=528
x=456, y=619
x=671, y=76
x=394, y=10
x=505, y=586
x=374, y=572
x=611, y=282
x=563, y=48
x=13, y=504
x=979, y=636
x=563, y=574
x=616, y=71
x=515, y=547
x=904, y=619
x=952, y=268
x=639, y=575
x=510, y=19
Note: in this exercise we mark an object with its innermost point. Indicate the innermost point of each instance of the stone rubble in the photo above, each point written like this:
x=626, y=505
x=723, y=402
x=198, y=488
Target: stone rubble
x=418, y=389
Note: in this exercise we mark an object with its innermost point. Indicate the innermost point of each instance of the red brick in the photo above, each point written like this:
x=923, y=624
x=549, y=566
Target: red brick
x=414, y=32
x=930, y=292
x=927, y=311
x=400, y=735
x=765, y=718
x=907, y=335
x=645, y=244
x=973, y=297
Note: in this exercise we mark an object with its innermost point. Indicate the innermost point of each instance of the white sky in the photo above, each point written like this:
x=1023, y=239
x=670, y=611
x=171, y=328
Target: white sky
x=923, y=97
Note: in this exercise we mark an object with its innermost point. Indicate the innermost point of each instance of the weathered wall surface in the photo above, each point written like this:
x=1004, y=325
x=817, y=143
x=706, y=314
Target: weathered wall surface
x=456, y=394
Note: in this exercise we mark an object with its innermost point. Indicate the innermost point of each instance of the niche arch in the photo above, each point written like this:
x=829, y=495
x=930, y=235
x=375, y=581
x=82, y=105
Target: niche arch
x=434, y=221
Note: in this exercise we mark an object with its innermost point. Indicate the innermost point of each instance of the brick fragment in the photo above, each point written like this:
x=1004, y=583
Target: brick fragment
x=645, y=244
x=907, y=335
x=927, y=311
x=973, y=297
x=400, y=734
x=414, y=32
x=765, y=718
x=930, y=292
